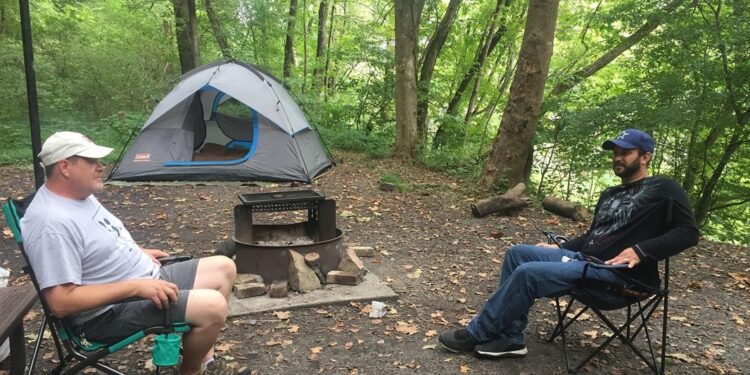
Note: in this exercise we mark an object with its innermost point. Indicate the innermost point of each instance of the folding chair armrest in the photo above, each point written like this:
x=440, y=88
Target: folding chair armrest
x=554, y=238
x=173, y=259
x=616, y=270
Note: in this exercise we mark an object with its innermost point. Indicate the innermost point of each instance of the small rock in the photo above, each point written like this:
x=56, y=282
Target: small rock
x=364, y=251
x=385, y=186
x=351, y=263
x=247, y=278
x=343, y=278
x=278, y=289
x=249, y=290
x=301, y=277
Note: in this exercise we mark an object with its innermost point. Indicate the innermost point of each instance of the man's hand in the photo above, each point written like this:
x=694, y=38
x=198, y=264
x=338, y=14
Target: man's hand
x=627, y=256
x=155, y=253
x=160, y=292
x=548, y=245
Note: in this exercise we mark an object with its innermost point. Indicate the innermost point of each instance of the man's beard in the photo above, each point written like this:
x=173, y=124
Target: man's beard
x=628, y=170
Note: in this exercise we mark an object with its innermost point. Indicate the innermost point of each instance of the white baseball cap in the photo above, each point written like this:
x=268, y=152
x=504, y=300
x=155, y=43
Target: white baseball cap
x=62, y=145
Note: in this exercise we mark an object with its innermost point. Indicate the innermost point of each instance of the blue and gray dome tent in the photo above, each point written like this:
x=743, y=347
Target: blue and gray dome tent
x=225, y=121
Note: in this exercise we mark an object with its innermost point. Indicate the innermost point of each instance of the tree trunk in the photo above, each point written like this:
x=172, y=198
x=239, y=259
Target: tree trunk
x=327, y=76
x=407, y=15
x=565, y=209
x=703, y=206
x=305, y=32
x=431, y=53
x=289, y=44
x=506, y=203
x=506, y=164
x=186, y=28
x=221, y=39
x=320, y=51
x=612, y=54
x=3, y=18
x=488, y=45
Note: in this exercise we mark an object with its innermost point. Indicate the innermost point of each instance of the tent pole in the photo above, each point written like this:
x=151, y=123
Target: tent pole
x=28, y=60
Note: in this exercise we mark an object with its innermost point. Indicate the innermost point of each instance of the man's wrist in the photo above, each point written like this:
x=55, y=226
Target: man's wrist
x=638, y=251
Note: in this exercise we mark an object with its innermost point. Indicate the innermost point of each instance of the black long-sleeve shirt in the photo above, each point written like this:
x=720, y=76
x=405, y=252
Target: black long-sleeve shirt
x=651, y=215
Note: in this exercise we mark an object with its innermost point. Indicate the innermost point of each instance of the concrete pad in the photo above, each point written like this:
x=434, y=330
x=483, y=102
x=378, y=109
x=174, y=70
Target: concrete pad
x=371, y=288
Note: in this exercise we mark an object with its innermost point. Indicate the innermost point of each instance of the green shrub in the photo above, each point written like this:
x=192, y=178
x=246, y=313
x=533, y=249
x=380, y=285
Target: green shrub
x=374, y=145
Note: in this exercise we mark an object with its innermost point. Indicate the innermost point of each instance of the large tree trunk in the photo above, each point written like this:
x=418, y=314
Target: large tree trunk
x=289, y=44
x=186, y=28
x=221, y=39
x=320, y=51
x=485, y=48
x=431, y=53
x=407, y=15
x=506, y=163
x=615, y=52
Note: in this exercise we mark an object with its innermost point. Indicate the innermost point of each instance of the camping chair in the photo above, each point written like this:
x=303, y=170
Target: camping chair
x=85, y=353
x=599, y=296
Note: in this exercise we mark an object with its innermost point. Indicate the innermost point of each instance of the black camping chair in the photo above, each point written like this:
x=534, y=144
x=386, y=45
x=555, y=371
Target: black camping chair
x=599, y=296
x=79, y=353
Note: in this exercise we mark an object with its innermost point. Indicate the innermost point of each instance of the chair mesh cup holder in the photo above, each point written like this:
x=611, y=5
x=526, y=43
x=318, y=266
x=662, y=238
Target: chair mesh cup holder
x=166, y=350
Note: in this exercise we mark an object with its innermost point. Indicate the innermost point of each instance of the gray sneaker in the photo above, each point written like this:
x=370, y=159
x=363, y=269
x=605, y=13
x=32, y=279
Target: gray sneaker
x=500, y=348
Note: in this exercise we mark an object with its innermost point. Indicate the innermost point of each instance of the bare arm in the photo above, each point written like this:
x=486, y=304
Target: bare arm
x=70, y=298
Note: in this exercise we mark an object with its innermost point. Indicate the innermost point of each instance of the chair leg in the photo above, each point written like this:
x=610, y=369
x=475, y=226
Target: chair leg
x=561, y=325
x=92, y=361
x=37, y=345
x=664, y=335
x=628, y=330
x=56, y=340
x=644, y=322
x=618, y=332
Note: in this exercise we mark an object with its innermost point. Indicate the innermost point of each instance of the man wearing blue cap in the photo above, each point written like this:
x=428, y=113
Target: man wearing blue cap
x=622, y=233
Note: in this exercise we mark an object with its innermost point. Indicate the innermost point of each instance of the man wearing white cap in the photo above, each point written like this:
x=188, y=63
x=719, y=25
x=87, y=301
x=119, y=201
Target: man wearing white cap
x=85, y=260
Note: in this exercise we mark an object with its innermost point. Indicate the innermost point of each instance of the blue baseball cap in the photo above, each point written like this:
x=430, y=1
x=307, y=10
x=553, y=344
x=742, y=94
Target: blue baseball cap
x=631, y=138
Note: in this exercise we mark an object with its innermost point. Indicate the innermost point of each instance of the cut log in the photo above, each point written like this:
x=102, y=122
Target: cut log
x=509, y=201
x=564, y=208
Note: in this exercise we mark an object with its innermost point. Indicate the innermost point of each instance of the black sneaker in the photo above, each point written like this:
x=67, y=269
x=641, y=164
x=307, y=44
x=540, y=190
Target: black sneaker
x=457, y=341
x=500, y=348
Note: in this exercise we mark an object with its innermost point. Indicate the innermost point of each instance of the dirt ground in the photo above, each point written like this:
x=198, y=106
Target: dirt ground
x=441, y=261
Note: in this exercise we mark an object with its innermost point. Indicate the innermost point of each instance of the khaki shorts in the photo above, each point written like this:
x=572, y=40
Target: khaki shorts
x=124, y=319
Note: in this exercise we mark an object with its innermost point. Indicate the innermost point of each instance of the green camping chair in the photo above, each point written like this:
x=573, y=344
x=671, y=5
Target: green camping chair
x=80, y=353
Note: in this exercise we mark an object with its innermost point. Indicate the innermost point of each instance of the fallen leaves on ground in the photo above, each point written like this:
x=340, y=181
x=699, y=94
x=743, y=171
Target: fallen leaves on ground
x=315, y=353
x=406, y=328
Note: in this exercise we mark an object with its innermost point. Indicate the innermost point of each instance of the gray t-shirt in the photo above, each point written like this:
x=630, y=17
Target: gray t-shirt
x=80, y=242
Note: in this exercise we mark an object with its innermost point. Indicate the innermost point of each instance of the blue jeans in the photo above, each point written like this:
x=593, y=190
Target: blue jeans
x=529, y=272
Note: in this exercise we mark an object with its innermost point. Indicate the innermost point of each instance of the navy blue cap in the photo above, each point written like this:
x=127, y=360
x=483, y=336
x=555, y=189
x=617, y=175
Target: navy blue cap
x=631, y=138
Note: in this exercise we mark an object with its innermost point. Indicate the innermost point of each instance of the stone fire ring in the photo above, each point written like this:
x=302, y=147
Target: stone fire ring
x=370, y=289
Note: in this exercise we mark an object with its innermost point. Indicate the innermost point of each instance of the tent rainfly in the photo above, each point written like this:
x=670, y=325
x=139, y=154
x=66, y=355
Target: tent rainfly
x=225, y=121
